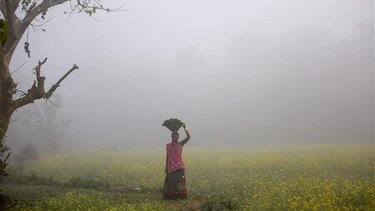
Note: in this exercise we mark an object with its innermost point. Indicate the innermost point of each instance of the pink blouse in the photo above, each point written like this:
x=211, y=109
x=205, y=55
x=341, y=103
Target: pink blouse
x=174, y=153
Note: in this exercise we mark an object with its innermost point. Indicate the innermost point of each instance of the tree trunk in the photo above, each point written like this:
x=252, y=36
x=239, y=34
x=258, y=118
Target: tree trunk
x=6, y=92
x=4, y=123
x=7, y=87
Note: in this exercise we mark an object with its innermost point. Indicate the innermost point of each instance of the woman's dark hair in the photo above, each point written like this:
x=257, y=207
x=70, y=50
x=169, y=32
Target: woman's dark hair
x=175, y=132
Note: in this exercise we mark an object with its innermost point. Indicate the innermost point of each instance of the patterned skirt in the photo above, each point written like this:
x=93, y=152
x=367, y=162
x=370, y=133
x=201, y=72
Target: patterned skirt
x=175, y=186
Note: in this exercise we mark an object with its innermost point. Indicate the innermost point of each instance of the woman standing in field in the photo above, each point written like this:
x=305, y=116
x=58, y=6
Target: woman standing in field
x=175, y=186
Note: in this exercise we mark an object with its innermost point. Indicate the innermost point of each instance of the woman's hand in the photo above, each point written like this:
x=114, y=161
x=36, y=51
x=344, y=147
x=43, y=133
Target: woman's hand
x=187, y=134
x=184, y=126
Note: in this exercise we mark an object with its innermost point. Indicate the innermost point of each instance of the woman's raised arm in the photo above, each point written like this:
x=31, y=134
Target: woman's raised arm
x=183, y=142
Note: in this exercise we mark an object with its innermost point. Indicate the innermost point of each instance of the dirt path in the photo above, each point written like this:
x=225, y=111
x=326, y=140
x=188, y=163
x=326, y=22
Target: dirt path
x=40, y=192
x=191, y=203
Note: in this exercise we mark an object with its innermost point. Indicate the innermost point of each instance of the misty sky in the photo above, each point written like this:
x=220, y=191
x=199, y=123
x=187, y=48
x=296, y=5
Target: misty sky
x=238, y=73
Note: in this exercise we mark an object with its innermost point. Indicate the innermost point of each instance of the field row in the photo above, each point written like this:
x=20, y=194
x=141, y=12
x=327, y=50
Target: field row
x=295, y=178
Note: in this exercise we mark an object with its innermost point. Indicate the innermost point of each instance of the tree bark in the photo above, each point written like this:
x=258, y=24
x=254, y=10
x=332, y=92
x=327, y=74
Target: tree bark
x=7, y=86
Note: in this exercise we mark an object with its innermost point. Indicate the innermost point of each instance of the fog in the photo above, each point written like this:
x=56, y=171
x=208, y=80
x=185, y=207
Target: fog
x=238, y=73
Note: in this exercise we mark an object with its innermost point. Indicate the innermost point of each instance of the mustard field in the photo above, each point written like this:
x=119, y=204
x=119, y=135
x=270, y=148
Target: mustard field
x=324, y=177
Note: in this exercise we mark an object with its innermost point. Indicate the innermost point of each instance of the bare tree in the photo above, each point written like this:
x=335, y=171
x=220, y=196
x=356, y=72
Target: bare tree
x=12, y=28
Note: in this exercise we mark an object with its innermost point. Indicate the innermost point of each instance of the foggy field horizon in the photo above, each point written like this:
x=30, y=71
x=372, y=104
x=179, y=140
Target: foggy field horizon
x=239, y=74
x=276, y=99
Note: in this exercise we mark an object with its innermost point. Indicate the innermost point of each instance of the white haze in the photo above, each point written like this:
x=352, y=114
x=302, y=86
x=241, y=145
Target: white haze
x=239, y=73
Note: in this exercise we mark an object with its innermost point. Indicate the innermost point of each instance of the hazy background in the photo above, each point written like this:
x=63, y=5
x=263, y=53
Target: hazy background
x=238, y=73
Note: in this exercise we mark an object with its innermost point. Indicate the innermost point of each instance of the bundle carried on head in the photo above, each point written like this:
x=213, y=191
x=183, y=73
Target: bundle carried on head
x=173, y=124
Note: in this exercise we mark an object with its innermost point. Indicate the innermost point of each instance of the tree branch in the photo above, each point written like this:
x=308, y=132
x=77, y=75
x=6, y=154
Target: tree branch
x=37, y=90
x=10, y=18
x=57, y=84
x=3, y=8
x=31, y=15
x=19, y=27
x=14, y=5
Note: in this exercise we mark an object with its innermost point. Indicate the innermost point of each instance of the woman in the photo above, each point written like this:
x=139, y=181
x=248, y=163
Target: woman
x=175, y=186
